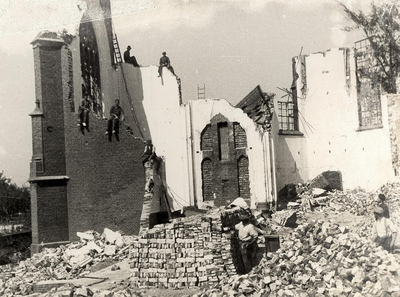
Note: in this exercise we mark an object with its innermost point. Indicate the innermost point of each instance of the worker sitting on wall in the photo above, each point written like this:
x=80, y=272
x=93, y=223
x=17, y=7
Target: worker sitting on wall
x=149, y=153
x=130, y=59
x=83, y=113
x=117, y=116
x=247, y=235
x=384, y=232
x=165, y=62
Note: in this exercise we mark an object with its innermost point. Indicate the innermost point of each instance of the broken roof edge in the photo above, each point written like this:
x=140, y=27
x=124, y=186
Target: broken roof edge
x=46, y=37
x=209, y=99
x=259, y=107
x=323, y=52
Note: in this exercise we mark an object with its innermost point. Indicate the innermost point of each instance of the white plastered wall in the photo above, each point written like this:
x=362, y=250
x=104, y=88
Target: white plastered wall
x=329, y=121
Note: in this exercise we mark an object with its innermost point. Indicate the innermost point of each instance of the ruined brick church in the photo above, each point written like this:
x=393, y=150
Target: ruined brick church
x=212, y=152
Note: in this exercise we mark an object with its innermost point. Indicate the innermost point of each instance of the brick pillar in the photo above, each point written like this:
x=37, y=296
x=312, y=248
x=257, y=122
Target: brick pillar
x=48, y=169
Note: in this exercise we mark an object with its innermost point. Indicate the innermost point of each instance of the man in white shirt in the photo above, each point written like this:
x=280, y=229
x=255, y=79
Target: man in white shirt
x=384, y=232
x=247, y=234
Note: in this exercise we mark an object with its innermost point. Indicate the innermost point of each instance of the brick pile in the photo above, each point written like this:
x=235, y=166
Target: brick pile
x=320, y=259
x=188, y=252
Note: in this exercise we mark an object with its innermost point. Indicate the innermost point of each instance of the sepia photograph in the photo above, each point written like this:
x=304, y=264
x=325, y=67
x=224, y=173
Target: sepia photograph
x=205, y=148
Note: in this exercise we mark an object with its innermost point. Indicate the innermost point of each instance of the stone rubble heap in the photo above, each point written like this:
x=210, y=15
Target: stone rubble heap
x=188, y=252
x=320, y=259
x=357, y=201
x=65, y=262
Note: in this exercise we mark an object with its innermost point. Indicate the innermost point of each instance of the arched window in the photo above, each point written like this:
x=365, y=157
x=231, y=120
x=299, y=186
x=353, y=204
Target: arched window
x=90, y=65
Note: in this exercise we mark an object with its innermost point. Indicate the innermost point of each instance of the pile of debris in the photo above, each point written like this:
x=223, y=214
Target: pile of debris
x=65, y=262
x=318, y=259
x=357, y=201
x=185, y=253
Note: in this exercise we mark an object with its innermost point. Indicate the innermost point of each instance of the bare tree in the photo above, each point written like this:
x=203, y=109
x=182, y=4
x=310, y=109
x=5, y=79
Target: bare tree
x=381, y=27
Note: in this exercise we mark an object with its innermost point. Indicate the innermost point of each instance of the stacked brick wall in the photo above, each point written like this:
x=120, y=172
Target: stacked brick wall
x=186, y=253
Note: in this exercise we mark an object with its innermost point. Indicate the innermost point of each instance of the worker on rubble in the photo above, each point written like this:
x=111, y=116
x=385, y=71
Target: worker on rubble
x=247, y=235
x=384, y=232
x=130, y=59
x=165, y=62
x=117, y=116
x=83, y=113
x=381, y=203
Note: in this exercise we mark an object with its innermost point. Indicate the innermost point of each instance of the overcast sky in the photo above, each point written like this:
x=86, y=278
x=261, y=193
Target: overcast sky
x=231, y=46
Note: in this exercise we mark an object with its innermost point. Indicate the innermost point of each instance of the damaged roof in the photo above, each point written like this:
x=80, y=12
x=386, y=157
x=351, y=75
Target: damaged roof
x=259, y=107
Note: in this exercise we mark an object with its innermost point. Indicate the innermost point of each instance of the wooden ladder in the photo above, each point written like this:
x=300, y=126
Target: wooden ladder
x=117, y=52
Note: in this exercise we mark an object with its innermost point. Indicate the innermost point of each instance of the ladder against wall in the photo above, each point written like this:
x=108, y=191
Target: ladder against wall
x=201, y=92
x=117, y=52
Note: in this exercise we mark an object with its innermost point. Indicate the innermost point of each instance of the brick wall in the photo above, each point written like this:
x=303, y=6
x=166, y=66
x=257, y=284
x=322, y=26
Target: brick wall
x=52, y=94
x=226, y=177
x=239, y=136
x=52, y=216
x=243, y=177
x=48, y=197
x=206, y=139
x=207, y=178
x=107, y=179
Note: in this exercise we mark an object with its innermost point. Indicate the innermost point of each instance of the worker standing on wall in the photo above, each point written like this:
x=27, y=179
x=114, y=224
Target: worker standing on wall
x=165, y=62
x=247, y=235
x=117, y=116
x=130, y=59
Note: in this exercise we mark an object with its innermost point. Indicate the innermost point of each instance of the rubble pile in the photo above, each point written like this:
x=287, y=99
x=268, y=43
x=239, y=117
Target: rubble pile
x=65, y=262
x=357, y=201
x=188, y=252
x=319, y=259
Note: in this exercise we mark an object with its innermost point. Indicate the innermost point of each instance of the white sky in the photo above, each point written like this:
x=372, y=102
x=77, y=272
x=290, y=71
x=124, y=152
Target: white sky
x=231, y=46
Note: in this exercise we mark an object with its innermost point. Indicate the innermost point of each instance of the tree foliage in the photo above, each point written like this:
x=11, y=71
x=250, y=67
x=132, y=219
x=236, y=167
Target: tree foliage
x=381, y=27
x=13, y=199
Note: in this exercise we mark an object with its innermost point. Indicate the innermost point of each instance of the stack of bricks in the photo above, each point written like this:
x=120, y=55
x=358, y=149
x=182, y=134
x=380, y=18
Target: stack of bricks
x=188, y=252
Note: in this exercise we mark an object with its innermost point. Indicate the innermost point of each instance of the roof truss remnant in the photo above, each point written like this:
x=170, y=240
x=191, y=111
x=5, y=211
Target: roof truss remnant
x=259, y=107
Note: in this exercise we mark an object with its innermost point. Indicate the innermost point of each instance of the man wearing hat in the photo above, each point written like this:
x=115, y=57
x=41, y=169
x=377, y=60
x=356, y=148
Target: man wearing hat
x=381, y=203
x=384, y=232
x=247, y=235
x=128, y=58
x=165, y=62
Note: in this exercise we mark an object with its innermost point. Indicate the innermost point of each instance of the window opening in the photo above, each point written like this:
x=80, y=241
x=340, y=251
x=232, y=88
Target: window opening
x=223, y=143
x=368, y=87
